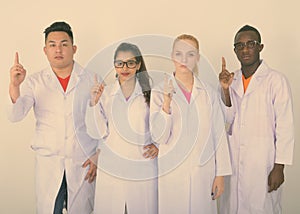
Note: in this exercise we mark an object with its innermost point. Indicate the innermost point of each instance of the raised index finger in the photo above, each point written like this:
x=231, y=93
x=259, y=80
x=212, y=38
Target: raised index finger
x=223, y=64
x=16, y=58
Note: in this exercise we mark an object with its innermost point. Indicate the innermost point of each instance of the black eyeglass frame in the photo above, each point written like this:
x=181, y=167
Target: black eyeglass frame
x=249, y=44
x=125, y=63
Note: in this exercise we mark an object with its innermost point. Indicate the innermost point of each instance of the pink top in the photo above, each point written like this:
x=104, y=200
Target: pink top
x=187, y=94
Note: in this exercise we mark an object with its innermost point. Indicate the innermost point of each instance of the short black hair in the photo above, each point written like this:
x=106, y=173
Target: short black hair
x=59, y=26
x=249, y=28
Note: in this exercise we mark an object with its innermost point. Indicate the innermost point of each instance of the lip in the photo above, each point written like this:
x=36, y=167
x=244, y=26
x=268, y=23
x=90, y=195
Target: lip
x=125, y=74
x=245, y=57
x=58, y=57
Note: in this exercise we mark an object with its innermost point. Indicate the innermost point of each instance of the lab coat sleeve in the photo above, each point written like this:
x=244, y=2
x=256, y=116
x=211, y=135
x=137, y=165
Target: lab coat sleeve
x=160, y=121
x=18, y=110
x=96, y=122
x=229, y=112
x=284, y=125
x=222, y=156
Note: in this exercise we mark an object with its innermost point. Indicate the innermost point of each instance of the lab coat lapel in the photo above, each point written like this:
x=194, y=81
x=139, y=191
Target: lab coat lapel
x=75, y=76
x=197, y=87
x=116, y=90
x=178, y=93
x=257, y=78
x=52, y=80
x=54, y=83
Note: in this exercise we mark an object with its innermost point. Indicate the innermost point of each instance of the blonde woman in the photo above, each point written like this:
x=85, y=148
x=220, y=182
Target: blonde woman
x=187, y=122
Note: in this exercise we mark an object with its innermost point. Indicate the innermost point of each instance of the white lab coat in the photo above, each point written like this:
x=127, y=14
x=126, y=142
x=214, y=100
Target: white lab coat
x=124, y=175
x=60, y=140
x=192, y=149
x=260, y=134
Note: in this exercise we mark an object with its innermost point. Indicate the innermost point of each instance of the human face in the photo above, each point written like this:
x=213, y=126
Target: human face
x=125, y=73
x=185, y=55
x=59, y=50
x=248, y=56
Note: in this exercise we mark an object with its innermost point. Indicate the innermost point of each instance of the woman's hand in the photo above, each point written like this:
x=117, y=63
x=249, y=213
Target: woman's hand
x=218, y=187
x=96, y=91
x=168, y=93
x=151, y=151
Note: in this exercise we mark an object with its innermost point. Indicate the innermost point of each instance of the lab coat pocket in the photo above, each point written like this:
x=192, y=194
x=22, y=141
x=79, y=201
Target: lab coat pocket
x=44, y=145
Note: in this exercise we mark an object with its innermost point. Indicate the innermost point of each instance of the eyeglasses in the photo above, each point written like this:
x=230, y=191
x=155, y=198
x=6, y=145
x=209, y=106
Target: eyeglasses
x=129, y=64
x=241, y=45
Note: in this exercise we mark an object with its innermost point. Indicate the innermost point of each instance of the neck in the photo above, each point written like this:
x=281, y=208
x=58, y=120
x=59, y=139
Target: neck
x=186, y=80
x=127, y=86
x=249, y=70
x=63, y=72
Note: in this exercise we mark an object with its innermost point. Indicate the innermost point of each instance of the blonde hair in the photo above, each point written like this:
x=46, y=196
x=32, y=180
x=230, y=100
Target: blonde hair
x=191, y=38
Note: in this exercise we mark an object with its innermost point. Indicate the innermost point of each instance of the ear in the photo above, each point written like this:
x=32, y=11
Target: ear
x=138, y=66
x=74, y=49
x=45, y=50
x=261, y=47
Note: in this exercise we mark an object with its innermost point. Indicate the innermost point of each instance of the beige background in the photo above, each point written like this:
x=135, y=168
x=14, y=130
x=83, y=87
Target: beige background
x=97, y=24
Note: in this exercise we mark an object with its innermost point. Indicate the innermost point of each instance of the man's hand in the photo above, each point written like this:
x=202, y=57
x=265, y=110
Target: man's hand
x=225, y=77
x=276, y=177
x=17, y=76
x=92, y=163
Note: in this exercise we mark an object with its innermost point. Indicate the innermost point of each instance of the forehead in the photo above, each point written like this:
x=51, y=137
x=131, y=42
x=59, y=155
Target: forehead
x=125, y=55
x=245, y=36
x=185, y=45
x=58, y=36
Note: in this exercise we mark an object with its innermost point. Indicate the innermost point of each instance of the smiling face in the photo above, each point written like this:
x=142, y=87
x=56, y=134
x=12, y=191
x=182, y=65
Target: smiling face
x=123, y=60
x=185, y=55
x=248, y=55
x=59, y=50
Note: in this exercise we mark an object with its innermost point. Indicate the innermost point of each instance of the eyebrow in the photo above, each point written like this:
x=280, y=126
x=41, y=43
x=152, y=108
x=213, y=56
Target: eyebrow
x=51, y=41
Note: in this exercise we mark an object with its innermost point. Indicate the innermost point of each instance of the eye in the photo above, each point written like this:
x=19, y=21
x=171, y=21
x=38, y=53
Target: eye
x=178, y=54
x=191, y=54
x=131, y=63
x=239, y=46
x=51, y=45
x=118, y=64
x=251, y=44
x=65, y=44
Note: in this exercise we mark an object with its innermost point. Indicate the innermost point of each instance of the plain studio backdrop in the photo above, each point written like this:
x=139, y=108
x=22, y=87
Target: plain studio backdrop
x=98, y=24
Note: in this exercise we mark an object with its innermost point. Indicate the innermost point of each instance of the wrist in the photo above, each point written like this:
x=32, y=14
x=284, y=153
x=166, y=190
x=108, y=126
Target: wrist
x=278, y=166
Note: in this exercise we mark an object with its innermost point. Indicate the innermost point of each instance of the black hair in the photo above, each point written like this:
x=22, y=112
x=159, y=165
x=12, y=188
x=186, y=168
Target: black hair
x=141, y=74
x=59, y=26
x=249, y=28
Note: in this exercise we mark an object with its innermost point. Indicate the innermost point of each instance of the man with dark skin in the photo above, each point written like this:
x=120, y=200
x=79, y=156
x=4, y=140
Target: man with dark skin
x=259, y=119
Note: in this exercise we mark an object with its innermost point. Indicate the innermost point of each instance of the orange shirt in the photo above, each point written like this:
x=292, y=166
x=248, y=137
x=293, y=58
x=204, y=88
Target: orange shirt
x=246, y=82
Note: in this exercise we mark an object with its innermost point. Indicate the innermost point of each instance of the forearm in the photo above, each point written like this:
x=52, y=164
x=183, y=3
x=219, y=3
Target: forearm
x=225, y=95
x=14, y=92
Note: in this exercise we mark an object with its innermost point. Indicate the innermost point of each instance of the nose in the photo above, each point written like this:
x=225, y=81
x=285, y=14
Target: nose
x=58, y=48
x=183, y=59
x=125, y=68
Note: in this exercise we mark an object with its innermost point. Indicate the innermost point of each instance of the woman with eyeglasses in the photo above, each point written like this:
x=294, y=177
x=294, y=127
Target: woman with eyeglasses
x=127, y=165
x=186, y=121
